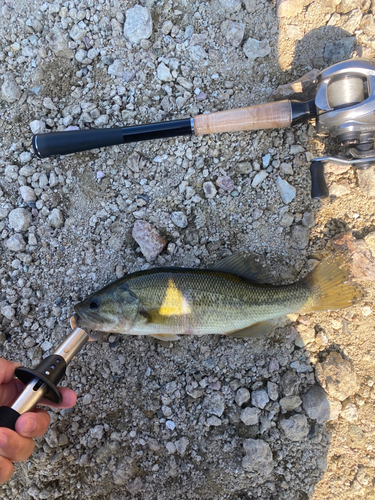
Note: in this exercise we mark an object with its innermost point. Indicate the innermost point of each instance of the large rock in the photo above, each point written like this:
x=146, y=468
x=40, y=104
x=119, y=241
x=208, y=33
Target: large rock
x=362, y=258
x=316, y=404
x=340, y=50
x=233, y=32
x=337, y=376
x=303, y=89
x=19, y=219
x=149, y=240
x=366, y=180
x=138, y=24
x=255, y=48
x=10, y=89
x=295, y=428
x=286, y=190
x=258, y=456
x=250, y=415
x=214, y=404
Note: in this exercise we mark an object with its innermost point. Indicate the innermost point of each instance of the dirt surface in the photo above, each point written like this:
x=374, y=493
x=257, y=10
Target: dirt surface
x=158, y=420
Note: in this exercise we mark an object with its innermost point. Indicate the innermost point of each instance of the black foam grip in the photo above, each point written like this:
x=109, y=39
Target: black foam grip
x=64, y=143
x=8, y=417
x=75, y=141
x=319, y=187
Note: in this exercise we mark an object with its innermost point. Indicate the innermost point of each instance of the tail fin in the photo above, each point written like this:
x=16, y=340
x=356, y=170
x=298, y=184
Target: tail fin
x=329, y=285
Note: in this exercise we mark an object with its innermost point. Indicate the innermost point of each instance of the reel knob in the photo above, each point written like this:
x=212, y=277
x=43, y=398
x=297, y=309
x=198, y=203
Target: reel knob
x=319, y=188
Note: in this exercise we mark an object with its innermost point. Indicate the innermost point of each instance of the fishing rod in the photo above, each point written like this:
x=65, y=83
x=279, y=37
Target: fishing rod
x=344, y=107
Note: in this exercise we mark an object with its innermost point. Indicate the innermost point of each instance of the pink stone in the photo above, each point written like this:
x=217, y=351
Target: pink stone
x=149, y=240
x=225, y=183
x=362, y=265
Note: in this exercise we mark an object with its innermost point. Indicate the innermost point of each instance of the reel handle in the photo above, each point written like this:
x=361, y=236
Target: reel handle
x=319, y=187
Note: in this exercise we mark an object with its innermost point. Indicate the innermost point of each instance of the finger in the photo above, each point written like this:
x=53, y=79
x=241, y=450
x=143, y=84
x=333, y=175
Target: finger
x=33, y=424
x=69, y=399
x=14, y=446
x=10, y=391
x=6, y=470
x=7, y=370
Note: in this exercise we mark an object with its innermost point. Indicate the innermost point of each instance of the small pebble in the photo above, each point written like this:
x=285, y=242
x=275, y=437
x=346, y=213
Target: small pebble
x=209, y=189
x=225, y=183
x=242, y=396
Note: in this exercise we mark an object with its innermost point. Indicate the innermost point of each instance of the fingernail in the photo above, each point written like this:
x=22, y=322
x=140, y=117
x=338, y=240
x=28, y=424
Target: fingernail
x=30, y=425
x=3, y=440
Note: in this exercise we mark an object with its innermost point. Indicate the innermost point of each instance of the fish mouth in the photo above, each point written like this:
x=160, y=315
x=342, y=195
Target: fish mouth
x=86, y=319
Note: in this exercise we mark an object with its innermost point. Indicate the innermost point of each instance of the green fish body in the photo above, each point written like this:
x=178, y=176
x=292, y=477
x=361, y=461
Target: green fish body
x=226, y=299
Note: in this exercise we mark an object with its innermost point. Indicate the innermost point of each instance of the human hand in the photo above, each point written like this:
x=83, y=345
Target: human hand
x=18, y=445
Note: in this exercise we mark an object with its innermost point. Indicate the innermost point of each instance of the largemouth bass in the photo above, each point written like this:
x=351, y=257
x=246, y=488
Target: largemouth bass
x=230, y=298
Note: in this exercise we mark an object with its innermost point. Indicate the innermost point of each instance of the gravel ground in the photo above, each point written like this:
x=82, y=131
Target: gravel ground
x=203, y=418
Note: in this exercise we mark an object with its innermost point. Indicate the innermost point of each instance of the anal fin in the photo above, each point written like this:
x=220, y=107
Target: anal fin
x=165, y=337
x=257, y=331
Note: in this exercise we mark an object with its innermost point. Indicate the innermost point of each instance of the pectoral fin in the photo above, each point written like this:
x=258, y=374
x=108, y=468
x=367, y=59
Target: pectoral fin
x=165, y=337
x=257, y=331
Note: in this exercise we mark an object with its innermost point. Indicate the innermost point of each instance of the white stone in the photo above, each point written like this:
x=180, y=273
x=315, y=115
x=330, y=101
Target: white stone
x=209, y=189
x=116, y=69
x=25, y=157
x=231, y=5
x=77, y=33
x=19, y=219
x=56, y=218
x=169, y=424
x=16, y=243
x=27, y=194
x=8, y=312
x=181, y=445
x=179, y=219
x=138, y=24
x=81, y=55
x=255, y=48
x=38, y=127
x=259, y=178
x=259, y=398
x=10, y=89
x=250, y=416
x=242, y=396
x=287, y=192
x=164, y=73
x=266, y=160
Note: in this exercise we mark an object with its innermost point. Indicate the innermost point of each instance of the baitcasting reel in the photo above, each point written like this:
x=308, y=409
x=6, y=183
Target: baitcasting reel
x=345, y=108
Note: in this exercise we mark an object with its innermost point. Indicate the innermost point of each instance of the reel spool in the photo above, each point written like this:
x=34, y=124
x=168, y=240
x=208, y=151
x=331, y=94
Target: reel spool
x=345, y=103
x=346, y=91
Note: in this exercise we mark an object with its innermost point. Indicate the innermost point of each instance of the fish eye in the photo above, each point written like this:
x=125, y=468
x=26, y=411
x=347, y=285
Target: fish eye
x=94, y=303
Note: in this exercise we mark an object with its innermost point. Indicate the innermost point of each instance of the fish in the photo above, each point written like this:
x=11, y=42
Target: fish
x=231, y=298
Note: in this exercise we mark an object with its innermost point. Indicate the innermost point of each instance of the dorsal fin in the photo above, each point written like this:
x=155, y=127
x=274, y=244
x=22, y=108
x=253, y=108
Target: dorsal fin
x=249, y=266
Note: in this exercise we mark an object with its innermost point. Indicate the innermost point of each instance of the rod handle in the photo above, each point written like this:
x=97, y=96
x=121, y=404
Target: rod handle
x=75, y=141
x=319, y=187
x=263, y=116
x=8, y=417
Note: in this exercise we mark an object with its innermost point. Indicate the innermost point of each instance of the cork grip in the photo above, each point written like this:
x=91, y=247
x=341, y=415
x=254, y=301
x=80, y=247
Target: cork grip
x=271, y=115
